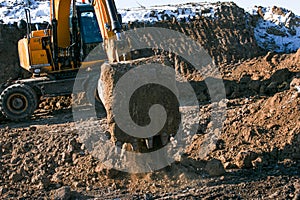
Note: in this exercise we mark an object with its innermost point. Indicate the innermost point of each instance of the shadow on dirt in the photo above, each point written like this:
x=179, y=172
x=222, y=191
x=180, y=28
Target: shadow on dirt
x=279, y=162
x=41, y=118
x=46, y=117
x=246, y=87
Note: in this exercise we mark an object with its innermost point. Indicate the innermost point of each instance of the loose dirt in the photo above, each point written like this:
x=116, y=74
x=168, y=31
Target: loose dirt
x=256, y=154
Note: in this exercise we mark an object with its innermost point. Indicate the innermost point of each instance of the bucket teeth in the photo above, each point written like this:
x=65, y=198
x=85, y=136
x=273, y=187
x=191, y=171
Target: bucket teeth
x=119, y=147
x=135, y=145
x=164, y=137
x=127, y=147
x=149, y=142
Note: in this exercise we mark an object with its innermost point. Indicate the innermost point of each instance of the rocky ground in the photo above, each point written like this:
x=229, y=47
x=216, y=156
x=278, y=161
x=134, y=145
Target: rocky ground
x=258, y=147
x=256, y=154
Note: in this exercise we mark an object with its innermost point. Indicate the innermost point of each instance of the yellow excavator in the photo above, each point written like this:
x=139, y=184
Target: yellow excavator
x=55, y=54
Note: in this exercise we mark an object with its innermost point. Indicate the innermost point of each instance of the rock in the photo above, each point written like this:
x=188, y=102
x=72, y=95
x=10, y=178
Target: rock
x=257, y=163
x=297, y=186
x=88, y=188
x=230, y=165
x=14, y=160
x=57, y=177
x=244, y=159
x=148, y=196
x=77, y=184
x=295, y=84
x=32, y=128
x=66, y=157
x=215, y=167
x=99, y=168
x=63, y=193
x=15, y=177
x=297, y=196
x=297, y=191
x=3, y=190
x=281, y=75
x=245, y=79
x=272, y=87
x=274, y=195
x=7, y=146
x=45, y=182
x=254, y=85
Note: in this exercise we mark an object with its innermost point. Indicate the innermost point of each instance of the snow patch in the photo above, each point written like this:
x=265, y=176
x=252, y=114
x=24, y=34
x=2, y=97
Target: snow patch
x=13, y=10
x=182, y=12
x=277, y=30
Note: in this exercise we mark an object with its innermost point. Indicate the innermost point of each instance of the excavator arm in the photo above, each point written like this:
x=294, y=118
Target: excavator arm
x=108, y=21
x=110, y=26
x=107, y=17
x=60, y=12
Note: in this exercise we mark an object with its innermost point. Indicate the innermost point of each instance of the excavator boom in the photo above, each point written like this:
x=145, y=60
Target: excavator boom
x=104, y=21
x=110, y=26
x=60, y=11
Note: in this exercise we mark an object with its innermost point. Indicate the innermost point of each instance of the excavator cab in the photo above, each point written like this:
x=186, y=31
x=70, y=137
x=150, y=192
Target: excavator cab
x=90, y=35
x=63, y=46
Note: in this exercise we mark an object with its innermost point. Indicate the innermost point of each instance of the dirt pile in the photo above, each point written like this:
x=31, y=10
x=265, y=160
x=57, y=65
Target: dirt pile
x=260, y=137
x=261, y=129
x=48, y=161
x=262, y=122
x=9, y=59
x=258, y=145
x=228, y=38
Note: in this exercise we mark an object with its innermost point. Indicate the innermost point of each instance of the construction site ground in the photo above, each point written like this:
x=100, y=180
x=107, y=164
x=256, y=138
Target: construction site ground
x=258, y=145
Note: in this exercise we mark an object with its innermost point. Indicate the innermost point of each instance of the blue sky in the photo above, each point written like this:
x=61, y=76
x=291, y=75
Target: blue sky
x=293, y=5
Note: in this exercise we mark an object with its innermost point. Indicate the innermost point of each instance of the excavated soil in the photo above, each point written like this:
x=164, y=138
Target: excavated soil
x=256, y=154
x=258, y=147
x=9, y=60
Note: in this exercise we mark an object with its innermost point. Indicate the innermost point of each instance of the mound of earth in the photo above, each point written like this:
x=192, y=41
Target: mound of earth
x=228, y=38
x=273, y=25
x=9, y=59
x=258, y=146
x=254, y=155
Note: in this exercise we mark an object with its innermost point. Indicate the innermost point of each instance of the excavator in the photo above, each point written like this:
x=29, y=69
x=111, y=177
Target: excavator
x=54, y=55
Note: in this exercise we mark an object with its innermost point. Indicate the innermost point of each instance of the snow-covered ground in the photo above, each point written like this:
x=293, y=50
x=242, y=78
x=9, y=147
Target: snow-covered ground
x=277, y=30
x=158, y=13
x=14, y=10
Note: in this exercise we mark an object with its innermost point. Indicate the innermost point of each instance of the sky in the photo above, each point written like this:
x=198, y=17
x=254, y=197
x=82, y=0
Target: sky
x=289, y=4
